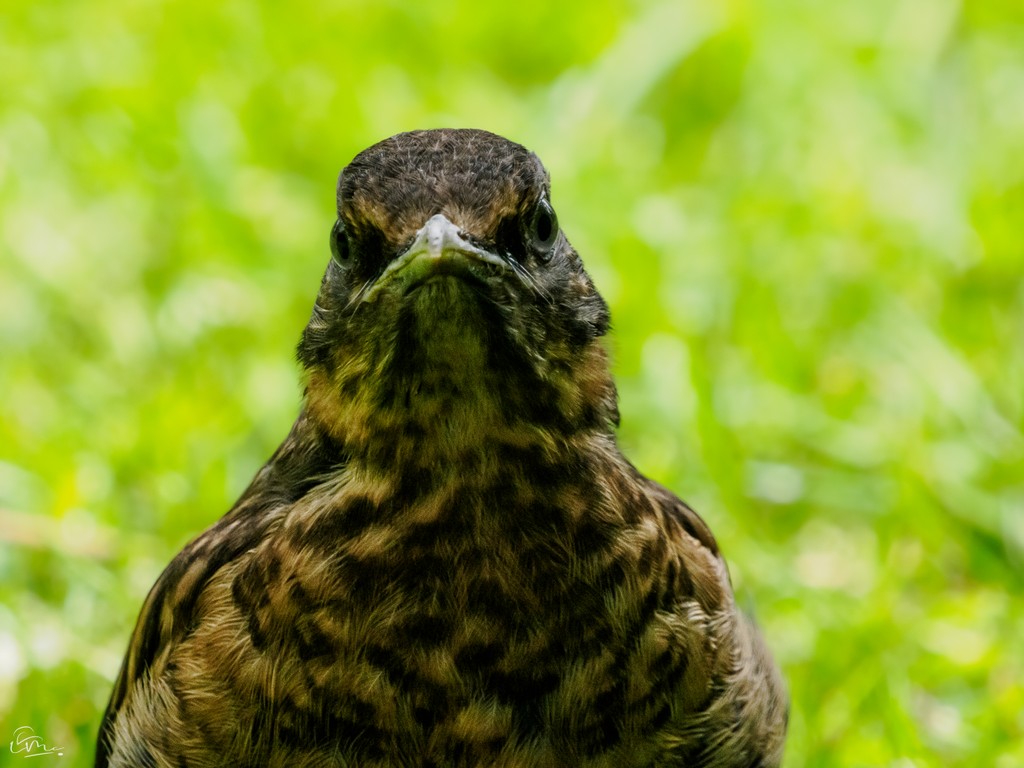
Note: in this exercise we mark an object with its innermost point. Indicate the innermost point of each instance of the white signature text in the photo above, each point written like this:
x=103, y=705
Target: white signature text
x=27, y=744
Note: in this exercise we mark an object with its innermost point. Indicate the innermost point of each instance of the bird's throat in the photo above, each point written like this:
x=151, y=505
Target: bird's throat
x=448, y=377
x=430, y=395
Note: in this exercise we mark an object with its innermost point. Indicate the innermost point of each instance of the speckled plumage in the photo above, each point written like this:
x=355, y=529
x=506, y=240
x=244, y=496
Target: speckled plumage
x=449, y=562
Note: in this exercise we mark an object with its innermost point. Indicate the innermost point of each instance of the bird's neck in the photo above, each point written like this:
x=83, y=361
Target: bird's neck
x=453, y=413
x=435, y=423
x=499, y=457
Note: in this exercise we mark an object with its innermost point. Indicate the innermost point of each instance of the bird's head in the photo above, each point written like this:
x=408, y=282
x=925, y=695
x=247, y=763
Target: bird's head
x=453, y=305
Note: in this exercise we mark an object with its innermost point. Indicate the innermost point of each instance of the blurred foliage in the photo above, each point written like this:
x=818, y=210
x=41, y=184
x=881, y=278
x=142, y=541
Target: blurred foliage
x=807, y=219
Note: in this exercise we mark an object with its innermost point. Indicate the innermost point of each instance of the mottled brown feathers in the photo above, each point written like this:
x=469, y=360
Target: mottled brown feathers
x=448, y=562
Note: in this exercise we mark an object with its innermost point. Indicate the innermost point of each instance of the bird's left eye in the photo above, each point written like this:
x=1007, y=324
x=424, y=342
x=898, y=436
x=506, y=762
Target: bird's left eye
x=542, y=229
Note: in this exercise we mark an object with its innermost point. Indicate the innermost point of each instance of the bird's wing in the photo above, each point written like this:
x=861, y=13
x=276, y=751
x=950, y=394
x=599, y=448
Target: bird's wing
x=745, y=708
x=168, y=613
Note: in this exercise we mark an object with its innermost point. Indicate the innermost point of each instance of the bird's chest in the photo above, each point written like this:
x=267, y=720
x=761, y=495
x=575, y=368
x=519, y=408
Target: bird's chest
x=443, y=588
x=473, y=618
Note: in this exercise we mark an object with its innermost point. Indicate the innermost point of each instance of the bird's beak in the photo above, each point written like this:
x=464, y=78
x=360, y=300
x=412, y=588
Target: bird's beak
x=438, y=249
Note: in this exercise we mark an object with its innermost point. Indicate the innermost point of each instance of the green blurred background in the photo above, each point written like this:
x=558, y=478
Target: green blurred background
x=806, y=217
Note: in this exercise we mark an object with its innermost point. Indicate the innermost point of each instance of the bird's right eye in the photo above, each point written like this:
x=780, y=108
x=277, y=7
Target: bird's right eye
x=340, y=250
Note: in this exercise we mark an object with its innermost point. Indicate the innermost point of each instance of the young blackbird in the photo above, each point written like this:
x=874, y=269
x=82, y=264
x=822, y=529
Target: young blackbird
x=448, y=561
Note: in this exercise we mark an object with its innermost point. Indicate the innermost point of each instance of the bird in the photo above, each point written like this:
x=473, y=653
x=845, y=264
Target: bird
x=449, y=562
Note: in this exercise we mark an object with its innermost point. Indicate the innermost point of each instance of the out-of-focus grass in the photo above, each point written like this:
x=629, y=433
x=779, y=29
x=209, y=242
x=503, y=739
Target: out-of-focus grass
x=807, y=219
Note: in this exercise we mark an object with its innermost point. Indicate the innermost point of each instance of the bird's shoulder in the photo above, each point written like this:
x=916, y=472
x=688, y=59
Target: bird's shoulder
x=169, y=612
x=682, y=514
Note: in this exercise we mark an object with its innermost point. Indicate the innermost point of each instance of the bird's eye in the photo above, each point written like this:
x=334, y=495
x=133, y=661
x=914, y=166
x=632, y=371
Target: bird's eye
x=542, y=230
x=340, y=250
